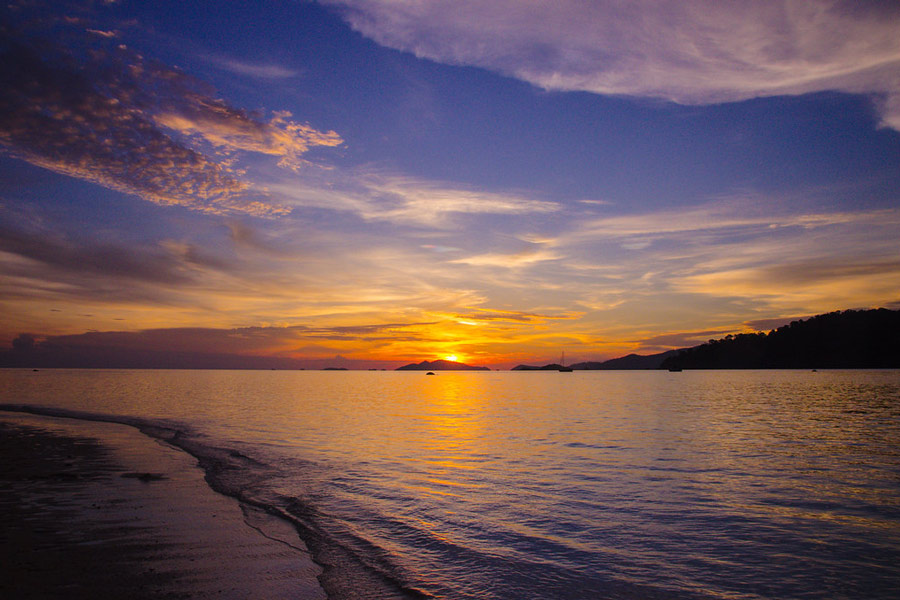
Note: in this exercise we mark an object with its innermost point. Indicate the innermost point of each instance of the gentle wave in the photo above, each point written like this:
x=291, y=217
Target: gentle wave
x=353, y=571
x=737, y=485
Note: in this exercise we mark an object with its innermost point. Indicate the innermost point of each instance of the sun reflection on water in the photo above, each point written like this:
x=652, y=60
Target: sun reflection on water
x=471, y=478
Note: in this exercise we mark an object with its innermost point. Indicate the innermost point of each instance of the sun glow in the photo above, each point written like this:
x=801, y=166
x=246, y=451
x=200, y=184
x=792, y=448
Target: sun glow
x=451, y=357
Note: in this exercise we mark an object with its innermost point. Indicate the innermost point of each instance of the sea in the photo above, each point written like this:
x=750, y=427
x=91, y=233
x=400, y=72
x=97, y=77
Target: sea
x=540, y=485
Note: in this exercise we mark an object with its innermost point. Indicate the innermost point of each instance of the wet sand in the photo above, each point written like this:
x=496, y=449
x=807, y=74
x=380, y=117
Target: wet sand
x=98, y=510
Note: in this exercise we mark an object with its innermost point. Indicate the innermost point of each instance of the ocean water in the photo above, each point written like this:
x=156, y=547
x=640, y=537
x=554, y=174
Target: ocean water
x=508, y=485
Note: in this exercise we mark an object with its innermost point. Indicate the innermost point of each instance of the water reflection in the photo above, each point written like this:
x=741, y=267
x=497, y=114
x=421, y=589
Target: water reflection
x=452, y=408
x=535, y=485
x=448, y=449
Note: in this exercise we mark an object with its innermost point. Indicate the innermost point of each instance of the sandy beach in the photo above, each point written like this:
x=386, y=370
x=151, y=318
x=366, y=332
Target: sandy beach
x=98, y=510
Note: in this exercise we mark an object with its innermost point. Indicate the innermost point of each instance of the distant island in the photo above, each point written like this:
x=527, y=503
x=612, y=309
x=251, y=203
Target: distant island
x=630, y=362
x=440, y=365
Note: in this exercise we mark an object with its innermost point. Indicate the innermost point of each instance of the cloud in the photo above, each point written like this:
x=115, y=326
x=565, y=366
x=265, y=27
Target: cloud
x=101, y=33
x=234, y=275
x=238, y=340
x=728, y=259
x=682, y=339
x=482, y=315
x=293, y=346
x=244, y=236
x=753, y=215
x=513, y=260
x=230, y=130
x=699, y=52
x=53, y=279
x=414, y=199
x=105, y=260
x=255, y=70
x=775, y=323
x=819, y=282
x=404, y=199
x=105, y=114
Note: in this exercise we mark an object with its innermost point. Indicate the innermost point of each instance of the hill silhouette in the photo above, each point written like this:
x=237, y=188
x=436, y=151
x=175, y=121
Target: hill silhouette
x=440, y=365
x=850, y=339
x=629, y=362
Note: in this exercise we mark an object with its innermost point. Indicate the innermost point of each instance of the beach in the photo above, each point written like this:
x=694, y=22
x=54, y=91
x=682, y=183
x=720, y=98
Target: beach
x=99, y=510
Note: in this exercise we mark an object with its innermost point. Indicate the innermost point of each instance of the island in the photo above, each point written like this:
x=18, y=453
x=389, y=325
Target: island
x=630, y=362
x=440, y=365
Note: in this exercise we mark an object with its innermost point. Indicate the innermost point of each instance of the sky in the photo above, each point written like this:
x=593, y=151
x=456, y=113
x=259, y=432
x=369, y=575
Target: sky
x=367, y=183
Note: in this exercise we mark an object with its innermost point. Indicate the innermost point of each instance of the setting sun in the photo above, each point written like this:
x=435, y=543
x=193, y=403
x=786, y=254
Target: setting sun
x=451, y=357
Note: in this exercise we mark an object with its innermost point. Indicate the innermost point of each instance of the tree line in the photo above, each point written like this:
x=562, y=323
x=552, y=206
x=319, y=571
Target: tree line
x=850, y=339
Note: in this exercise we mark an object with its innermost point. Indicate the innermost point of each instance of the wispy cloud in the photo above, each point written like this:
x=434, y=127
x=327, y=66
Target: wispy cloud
x=766, y=325
x=754, y=252
x=103, y=113
x=817, y=282
x=376, y=196
x=698, y=52
x=230, y=130
x=89, y=258
x=413, y=199
x=242, y=340
x=682, y=339
x=255, y=70
x=484, y=315
x=509, y=261
x=240, y=347
x=756, y=215
x=101, y=33
x=264, y=271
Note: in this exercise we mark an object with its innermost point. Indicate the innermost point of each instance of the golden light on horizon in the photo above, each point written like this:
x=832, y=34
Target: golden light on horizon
x=451, y=357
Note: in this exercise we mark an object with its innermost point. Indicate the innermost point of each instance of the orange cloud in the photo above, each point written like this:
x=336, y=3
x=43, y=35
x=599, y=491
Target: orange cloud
x=818, y=284
x=486, y=315
x=230, y=131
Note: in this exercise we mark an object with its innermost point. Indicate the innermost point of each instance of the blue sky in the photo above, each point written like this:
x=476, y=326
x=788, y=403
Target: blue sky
x=388, y=181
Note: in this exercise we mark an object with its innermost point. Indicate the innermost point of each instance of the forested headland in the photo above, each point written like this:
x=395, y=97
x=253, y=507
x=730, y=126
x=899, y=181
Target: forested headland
x=850, y=339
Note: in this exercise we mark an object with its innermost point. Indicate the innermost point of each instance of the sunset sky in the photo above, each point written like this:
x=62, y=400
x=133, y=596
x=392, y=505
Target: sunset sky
x=368, y=183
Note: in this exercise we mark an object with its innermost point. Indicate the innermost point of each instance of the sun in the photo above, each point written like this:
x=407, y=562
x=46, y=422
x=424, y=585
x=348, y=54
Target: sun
x=451, y=358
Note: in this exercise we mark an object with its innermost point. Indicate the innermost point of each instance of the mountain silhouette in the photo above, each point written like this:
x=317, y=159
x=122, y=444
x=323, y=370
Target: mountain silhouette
x=630, y=362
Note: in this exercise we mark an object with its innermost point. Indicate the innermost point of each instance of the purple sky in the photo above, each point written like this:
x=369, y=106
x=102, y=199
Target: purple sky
x=388, y=182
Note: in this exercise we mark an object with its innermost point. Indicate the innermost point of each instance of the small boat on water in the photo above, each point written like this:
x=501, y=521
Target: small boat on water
x=562, y=364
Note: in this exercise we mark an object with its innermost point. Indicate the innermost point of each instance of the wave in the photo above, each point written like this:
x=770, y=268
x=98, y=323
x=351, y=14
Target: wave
x=352, y=566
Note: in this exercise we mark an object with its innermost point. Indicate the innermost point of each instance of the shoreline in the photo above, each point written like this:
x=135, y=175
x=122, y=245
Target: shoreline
x=93, y=509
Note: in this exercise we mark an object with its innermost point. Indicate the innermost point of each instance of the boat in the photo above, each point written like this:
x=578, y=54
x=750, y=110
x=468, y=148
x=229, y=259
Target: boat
x=562, y=364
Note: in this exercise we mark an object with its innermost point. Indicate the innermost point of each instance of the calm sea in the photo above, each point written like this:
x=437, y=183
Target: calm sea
x=507, y=485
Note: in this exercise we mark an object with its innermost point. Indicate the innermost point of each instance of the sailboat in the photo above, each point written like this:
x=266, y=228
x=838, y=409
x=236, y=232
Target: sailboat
x=562, y=364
